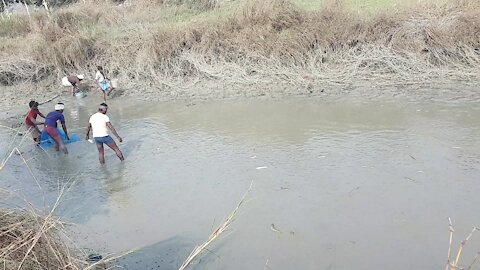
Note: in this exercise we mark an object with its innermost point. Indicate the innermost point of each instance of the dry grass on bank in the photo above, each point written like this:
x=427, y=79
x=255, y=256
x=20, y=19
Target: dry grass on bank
x=30, y=241
x=148, y=43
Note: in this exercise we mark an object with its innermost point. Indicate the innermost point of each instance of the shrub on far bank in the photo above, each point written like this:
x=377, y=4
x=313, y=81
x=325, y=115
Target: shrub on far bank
x=140, y=40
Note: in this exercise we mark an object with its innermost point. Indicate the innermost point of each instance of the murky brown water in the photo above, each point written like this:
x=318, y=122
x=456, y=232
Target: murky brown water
x=348, y=185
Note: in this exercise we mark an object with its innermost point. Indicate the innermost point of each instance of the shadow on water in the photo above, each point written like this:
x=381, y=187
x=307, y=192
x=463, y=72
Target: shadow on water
x=168, y=254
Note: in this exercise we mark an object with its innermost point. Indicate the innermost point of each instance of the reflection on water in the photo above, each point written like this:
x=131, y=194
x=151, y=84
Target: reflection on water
x=349, y=186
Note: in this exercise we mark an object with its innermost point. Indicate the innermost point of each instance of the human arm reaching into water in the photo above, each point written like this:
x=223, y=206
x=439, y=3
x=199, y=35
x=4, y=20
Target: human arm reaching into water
x=65, y=130
x=110, y=126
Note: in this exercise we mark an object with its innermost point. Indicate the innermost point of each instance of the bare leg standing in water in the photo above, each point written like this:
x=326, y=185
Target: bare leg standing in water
x=113, y=146
x=59, y=144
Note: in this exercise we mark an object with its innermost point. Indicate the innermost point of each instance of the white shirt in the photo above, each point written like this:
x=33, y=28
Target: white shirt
x=99, y=124
x=99, y=77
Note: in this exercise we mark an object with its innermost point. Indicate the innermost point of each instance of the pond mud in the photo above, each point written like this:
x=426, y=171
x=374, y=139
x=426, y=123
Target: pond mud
x=336, y=185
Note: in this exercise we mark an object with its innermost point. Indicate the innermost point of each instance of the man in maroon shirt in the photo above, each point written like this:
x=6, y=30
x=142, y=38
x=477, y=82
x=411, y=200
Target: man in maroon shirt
x=31, y=121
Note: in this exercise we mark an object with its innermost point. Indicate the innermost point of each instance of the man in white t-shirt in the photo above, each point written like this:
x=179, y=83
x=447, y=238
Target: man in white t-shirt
x=99, y=123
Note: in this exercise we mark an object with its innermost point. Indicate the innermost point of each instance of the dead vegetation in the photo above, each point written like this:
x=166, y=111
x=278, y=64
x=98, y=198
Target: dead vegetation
x=165, y=43
x=454, y=262
x=29, y=241
x=216, y=233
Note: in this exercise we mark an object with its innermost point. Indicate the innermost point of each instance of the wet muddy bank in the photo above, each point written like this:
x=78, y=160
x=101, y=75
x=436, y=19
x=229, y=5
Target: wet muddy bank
x=208, y=91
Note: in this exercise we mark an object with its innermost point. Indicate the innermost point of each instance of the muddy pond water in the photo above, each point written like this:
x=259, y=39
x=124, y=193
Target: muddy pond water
x=336, y=185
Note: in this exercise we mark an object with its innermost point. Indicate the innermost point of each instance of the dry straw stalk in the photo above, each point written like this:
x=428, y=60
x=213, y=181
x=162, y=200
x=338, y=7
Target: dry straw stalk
x=216, y=233
x=455, y=263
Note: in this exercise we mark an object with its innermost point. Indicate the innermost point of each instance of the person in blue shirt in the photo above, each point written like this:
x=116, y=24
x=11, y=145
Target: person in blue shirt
x=51, y=127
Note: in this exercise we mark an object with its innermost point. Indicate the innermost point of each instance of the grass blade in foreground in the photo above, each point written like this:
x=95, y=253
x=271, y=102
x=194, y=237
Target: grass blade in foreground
x=217, y=232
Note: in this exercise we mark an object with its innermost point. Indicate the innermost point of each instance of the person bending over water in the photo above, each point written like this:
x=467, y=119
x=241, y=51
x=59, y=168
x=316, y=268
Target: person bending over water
x=51, y=127
x=75, y=80
x=98, y=123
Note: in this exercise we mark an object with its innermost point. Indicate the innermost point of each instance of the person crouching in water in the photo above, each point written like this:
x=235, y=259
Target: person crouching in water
x=98, y=123
x=103, y=82
x=75, y=80
x=31, y=121
x=51, y=127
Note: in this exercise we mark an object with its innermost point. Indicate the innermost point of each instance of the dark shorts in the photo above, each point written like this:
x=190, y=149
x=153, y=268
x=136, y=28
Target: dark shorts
x=53, y=132
x=104, y=140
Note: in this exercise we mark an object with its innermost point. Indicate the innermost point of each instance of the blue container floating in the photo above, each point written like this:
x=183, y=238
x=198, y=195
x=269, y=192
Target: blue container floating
x=47, y=141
